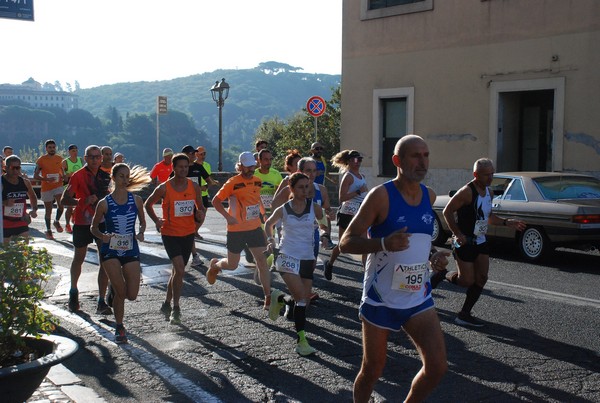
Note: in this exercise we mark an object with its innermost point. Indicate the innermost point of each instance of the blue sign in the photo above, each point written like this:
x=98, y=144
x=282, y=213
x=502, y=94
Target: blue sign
x=17, y=9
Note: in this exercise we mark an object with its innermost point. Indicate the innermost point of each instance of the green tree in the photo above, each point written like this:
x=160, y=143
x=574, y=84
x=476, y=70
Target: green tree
x=298, y=132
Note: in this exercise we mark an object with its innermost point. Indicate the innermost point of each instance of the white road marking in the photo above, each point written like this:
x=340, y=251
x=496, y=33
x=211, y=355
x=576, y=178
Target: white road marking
x=568, y=299
x=142, y=356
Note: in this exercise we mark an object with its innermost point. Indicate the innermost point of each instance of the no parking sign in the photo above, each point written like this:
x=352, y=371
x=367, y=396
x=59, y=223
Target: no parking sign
x=316, y=106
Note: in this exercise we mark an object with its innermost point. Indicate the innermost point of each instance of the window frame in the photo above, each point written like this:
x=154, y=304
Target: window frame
x=366, y=14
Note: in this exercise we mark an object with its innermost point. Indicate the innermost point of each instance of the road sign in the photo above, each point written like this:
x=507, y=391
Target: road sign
x=316, y=106
x=162, y=105
x=17, y=10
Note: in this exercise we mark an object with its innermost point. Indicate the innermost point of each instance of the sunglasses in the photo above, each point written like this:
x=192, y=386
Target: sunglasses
x=16, y=168
x=200, y=153
x=318, y=148
x=94, y=157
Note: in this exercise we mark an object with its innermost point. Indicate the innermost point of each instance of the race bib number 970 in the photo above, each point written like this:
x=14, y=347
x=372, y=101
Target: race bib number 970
x=252, y=212
x=350, y=207
x=409, y=278
x=184, y=208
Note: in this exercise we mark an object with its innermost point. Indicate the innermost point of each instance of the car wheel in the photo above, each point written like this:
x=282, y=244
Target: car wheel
x=534, y=243
x=439, y=236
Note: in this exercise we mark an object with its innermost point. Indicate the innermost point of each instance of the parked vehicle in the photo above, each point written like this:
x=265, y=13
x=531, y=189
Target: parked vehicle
x=27, y=170
x=559, y=208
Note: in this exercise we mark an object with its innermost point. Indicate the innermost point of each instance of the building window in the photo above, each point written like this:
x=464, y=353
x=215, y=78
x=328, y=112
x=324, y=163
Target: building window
x=393, y=117
x=385, y=8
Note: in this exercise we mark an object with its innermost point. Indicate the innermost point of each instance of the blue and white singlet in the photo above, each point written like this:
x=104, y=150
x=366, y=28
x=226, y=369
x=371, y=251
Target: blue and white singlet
x=120, y=221
x=400, y=280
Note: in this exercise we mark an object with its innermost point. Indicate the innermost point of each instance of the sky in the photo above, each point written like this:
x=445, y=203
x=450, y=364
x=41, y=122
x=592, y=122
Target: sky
x=97, y=42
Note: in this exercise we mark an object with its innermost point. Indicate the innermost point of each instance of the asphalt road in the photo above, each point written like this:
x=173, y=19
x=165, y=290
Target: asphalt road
x=541, y=341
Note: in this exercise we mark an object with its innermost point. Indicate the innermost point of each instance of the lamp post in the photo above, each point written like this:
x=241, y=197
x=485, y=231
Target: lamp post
x=220, y=92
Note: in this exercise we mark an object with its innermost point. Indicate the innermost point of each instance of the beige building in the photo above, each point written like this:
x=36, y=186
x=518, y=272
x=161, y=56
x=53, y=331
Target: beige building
x=517, y=81
x=38, y=95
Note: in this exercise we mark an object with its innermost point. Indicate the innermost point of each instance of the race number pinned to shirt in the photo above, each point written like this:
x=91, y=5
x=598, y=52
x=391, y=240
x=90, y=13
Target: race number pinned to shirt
x=267, y=200
x=252, y=212
x=350, y=207
x=183, y=208
x=409, y=277
x=194, y=179
x=287, y=264
x=53, y=177
x=481, y=227
x=121, y=242
x=16, y=210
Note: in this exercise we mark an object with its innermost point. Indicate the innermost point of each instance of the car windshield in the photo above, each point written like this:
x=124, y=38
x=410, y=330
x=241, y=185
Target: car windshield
x=28, y=169
x=568, y=187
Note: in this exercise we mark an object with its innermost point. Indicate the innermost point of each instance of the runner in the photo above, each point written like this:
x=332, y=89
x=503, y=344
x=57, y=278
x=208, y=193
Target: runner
x=353, y=189
x=318, y=194
x=295, y=261
x=15, y=191
x=397, y=293
x=120, y=251
x=86, y=187
x=70, y=164
x=181, y=205
x=48, y=170
x=243, y=223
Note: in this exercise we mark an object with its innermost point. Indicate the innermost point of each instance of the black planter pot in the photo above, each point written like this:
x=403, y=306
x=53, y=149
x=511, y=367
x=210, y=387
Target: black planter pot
x=19, y=382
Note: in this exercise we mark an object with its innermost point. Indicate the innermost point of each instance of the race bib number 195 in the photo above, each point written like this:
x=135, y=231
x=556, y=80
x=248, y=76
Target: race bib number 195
x=409, y=278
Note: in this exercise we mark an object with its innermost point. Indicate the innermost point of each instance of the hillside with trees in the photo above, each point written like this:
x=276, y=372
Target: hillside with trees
x=267, y=101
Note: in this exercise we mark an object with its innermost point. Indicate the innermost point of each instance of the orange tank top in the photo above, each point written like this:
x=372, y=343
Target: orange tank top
x=178, y=210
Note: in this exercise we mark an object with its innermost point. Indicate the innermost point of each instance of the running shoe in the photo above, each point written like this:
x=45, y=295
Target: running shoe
x=196, y=261
x=110, y=295
x=212, y=272
x=73, y=300
x=57, y=225
x=466, y=319
x=328, y=270
x=175, y=318
x=120, y=335
x=304, y=349
x=275, y=305
x=165, y=308
x=437, y=277
x=68, y=229
x=198, y=237
x=49, y=235
x=103, y=309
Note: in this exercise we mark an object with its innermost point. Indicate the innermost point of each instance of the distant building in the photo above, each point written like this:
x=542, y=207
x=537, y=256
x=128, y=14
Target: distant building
x=516, y=81
x=37, y=96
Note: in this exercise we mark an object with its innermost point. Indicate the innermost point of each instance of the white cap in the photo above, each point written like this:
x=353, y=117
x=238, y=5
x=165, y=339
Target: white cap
x=247, y=159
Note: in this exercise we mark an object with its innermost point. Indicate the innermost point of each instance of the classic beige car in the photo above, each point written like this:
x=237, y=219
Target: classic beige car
x=559, y=208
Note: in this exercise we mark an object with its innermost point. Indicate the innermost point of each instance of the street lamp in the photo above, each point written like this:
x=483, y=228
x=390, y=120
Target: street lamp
x=220, y=92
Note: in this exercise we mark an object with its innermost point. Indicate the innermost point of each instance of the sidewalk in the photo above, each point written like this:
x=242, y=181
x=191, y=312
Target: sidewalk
x=63, y=386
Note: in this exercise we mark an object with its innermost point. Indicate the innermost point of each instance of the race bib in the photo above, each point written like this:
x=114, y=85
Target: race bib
x=252, y=212
x=287, y=264
x=183, y=208
x=53, y=177
x=350, y=207
x=16, y=210
x=121, y=242
x=481, y=227
x=267, y=200
x=410, y=277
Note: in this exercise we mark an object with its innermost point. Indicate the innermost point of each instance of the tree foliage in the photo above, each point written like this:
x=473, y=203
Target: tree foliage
x=298, y=132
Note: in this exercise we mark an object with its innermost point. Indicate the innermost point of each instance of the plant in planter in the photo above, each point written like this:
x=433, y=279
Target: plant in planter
x=23, y=273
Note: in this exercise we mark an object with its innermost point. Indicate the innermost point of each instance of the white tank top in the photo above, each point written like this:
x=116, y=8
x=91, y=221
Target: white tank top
x=298, y=232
